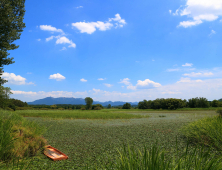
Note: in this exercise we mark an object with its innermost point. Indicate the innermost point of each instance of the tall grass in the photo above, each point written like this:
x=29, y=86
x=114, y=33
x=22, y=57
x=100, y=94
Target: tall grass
x=78, y=114
x=155, y=159
x=19, y=138
x=207, y=131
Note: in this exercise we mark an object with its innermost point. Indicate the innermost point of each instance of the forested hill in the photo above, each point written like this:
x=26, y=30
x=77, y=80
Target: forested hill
x=75, y=101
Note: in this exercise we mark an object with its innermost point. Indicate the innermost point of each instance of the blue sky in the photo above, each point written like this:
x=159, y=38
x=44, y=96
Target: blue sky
x=118, y=50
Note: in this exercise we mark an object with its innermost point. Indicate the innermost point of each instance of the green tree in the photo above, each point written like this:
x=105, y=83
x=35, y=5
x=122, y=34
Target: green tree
x=109, y=106
x=127, y=106
x=89, y=102
x=11, y=25
x=4, y=96
x=215, y=103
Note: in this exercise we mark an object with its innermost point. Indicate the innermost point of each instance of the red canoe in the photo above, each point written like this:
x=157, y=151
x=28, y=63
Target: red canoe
x=54, y=153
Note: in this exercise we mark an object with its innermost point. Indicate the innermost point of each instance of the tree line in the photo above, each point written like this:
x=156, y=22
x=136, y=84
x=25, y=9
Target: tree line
x=172, y=103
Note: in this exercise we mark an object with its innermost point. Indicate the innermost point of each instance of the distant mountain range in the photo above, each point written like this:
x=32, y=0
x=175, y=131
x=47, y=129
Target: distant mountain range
x=76, y=101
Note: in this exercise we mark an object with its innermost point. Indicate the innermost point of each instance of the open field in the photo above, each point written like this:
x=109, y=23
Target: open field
x=88, y=141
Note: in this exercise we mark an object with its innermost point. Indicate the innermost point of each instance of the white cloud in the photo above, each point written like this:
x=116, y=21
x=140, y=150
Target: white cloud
x=185, y=88
x=39, y=39
x=125, y=81
x=146, y=84
x=187, y=65
x=212, y=32
x=108, y=85
x=199, y=11
x=170, y=11
x=83, y=80
x=90, y=27
x=15, y=79
x=63, y=48
x=29, y=73
x=79, y=7
x=120, y=21
x=96, y=90
x=101, y=79
x=188, y=80
x=57, y=77
x=199, y=74
x=64, y=40
x=186, y=24
x=50, y=28
x=49, y=38
x=23, y=92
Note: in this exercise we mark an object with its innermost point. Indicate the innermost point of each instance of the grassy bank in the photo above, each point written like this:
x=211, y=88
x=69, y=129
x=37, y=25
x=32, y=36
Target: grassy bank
x=79, y=114
x=19, y=138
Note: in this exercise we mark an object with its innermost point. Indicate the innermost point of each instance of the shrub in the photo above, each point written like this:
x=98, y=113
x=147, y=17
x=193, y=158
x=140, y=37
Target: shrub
x=24, y=108
x=83, y=108
x=61, y=108
x=97, y=108
x=19, y=137
x=219, y=111
x=43, y=109
x=207, y=131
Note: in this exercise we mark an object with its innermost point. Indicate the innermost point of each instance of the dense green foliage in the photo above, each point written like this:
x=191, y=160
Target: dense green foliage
x=89, y=102
x=200, y=102
x=207, y=131
x=173, y=104
x=11, y=26
x=162, y=104
x=109, y=106
x=126, y=106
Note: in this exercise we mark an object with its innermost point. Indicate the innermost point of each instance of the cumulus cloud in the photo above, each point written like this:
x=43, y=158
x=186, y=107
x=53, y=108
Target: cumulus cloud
x=199, y=74
x=50, y=28
x=60, y=39
x=101, y=78
x=170, y=11
x=83, y=80
x=15, y=79
x=90, y=27
x=200, y=11
x=187, y=65
x=57, y=77
x=108, y=85
x=125, y=81
x=146, y=84
x=64, y=40
x=39, y=39
x=79, y=7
